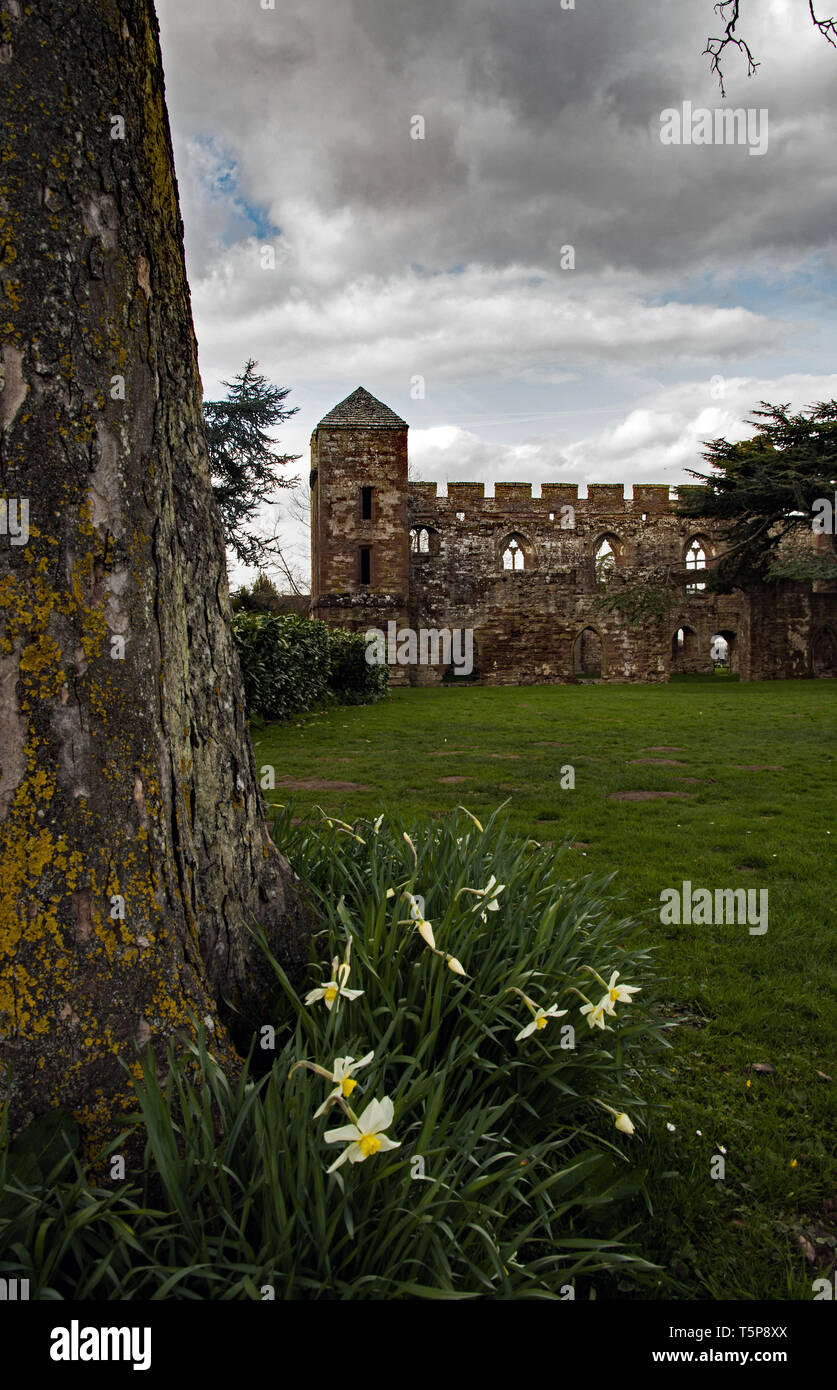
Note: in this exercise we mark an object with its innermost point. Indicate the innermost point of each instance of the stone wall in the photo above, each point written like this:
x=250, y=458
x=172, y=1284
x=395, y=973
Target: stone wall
x=529, y=624
x=442, y=562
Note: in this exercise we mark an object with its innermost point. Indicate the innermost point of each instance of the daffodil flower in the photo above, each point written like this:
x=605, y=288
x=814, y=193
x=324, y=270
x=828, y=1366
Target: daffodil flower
x=615, y=994
x=342, y=827
x=539, y=1015
x=365, y=1136
x=343, y=1076
x=425, y=930
x=335, y=989
x=618, y=994
x=595, y=1014
x=621, y=1121
x=540, y=1020
x=489, y=895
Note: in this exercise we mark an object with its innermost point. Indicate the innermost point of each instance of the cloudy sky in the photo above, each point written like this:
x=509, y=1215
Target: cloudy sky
x=704, y=277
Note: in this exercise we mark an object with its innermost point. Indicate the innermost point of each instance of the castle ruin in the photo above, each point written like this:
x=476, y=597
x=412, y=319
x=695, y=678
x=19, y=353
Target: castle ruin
x=530, y=575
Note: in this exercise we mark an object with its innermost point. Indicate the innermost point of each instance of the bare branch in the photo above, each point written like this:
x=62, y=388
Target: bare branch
x=715, y=47
x=729, y=11
x=827, y=27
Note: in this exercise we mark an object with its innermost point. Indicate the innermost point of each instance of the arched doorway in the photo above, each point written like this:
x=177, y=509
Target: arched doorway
x=588, y=653
x=685, y=651
x=824, y=653
x=723, y=651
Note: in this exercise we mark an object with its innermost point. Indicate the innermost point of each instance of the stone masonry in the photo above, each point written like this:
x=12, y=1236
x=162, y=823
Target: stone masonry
x=529, y=575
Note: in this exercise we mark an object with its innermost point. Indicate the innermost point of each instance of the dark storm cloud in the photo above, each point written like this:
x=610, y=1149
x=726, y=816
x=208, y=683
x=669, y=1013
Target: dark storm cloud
x=538, y=118
x=442, y=257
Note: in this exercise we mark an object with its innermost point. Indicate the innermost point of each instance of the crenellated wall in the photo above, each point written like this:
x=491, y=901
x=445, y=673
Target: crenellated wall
x=546, y=621
x=529, y=623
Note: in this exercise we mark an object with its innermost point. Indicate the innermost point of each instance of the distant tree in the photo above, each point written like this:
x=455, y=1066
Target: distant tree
x=729, y=12
x=244, y=464
x=764, y=490
x=261, y=597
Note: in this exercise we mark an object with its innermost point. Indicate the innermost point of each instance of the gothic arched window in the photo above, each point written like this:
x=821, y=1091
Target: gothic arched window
x=420, y=540
x=513, y=557
x=695, y=560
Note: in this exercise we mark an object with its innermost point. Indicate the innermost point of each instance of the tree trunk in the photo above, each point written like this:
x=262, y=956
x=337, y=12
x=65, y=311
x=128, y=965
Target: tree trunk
x=134, y=847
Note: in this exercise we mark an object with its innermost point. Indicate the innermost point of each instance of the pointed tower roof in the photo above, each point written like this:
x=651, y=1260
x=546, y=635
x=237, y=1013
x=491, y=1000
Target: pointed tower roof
x=362, y=410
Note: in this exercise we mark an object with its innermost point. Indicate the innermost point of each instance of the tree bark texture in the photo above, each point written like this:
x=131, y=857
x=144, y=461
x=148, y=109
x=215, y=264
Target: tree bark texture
x=134, y=847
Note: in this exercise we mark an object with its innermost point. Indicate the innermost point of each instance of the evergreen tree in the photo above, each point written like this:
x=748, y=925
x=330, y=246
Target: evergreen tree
x=764, y=490
x=242, y=459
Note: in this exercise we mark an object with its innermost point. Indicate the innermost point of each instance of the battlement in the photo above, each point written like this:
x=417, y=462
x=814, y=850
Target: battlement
x=523, y=569
x=466, y=495
x=649, y=499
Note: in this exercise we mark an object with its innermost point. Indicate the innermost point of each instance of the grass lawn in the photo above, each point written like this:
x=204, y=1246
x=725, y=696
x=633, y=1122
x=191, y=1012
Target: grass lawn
x=748, y=773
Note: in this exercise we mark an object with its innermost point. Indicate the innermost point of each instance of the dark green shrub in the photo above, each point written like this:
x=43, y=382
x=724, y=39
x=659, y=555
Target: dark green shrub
x=352, y=680
x=290, y=663
x=284, y=662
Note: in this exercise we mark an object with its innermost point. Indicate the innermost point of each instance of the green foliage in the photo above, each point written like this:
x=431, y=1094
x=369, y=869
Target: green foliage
x=261, y=597
x=284, y=662
x=804, y=569
x=351, y=678
x=650, y=600
x=242, y=459
x=58, y=1231
x=290, y=663
x=522, y=1173
x=764, y=489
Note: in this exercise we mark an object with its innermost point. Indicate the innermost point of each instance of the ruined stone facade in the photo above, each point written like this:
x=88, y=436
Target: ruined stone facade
x=530, y=575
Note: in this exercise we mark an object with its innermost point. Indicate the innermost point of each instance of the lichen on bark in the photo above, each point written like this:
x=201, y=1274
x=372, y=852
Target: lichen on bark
x=135, y=851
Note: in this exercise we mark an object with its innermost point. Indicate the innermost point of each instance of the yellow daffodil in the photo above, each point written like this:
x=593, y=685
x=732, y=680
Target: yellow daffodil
x=453, y=964
x=622, y=1122
x=343, y=1077
x=365, y=1136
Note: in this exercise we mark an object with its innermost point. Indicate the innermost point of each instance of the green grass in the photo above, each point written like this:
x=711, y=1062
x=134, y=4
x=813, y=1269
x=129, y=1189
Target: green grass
x=757, y=815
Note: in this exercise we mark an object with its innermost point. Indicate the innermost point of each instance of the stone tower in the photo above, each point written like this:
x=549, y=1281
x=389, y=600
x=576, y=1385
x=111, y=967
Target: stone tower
x=360, y=562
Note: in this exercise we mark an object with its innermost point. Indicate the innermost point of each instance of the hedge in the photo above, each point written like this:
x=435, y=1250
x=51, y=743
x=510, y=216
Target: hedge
x=290, y=663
